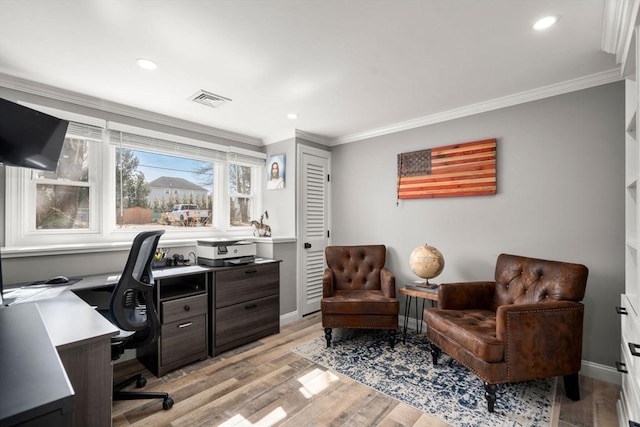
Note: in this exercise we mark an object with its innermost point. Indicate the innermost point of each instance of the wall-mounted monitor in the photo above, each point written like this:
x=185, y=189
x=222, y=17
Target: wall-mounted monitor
x=29, y=138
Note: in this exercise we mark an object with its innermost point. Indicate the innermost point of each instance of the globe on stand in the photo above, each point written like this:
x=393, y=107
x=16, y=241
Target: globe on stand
x=426, y=262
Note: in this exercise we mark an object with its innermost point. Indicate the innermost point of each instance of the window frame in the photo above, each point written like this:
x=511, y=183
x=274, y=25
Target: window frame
x=20, y=188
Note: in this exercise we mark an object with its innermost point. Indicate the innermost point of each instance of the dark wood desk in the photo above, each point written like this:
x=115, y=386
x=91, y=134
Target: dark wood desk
x=33, y=382
x=83, y=340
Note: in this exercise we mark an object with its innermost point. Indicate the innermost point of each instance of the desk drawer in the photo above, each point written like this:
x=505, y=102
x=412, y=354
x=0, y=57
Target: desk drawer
x=241, y=320
x=183, y=308
x=243, y=284
x=183, y=339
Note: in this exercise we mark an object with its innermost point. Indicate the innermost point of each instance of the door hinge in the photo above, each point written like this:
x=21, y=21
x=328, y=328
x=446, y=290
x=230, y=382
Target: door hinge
x=328, y=234
x=328, y=178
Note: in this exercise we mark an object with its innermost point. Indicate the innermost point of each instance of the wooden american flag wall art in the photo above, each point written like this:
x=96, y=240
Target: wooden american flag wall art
x=466, y=169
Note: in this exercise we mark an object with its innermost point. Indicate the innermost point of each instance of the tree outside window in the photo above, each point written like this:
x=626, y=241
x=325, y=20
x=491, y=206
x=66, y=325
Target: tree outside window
x=240, y=192
x=150, y=185
x=63, y=196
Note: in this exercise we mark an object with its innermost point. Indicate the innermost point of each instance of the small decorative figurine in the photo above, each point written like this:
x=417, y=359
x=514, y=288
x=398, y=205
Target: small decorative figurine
x=261, y=229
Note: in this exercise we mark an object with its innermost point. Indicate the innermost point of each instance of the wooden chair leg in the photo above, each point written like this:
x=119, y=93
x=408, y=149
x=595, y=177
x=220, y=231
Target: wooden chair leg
x=435, y=353
x=392, y=338
x=572, y=386
x=327, y=336
x=490, y=394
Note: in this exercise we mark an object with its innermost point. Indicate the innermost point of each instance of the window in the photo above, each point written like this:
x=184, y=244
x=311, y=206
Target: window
x=63, y=197
x=141, y=178
x=241, y=195
x=113, y=182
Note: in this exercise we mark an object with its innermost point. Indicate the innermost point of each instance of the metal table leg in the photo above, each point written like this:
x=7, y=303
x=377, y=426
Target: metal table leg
x=407, y=306
x=419, y=318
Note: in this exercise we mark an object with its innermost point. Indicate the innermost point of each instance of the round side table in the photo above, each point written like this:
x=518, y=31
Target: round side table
x=410, y=292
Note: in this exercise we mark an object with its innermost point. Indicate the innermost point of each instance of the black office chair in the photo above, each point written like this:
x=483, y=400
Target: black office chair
x=132, y=310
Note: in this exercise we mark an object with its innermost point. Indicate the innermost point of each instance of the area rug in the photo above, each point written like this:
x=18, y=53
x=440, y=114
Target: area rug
x=447, y=391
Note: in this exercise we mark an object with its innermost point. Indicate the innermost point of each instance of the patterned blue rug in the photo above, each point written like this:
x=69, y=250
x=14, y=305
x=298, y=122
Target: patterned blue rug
x=447, y=391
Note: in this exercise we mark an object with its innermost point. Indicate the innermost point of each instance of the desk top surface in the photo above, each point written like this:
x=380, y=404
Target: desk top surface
x=71, y=321
x=102, y=280
x=33, y=380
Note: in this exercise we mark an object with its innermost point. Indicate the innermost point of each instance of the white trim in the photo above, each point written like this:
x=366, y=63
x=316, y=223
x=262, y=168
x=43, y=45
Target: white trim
x=280, y=136
x=482, y=107
x=58, y=94
x=312, y=137
x=84, y=248
x=297, y=133
x=620, y=18
x=275, y=240
x=290, y=317
x=601, y=372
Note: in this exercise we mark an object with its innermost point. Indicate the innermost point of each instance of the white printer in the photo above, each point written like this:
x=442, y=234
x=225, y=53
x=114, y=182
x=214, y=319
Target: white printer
x=221, y=252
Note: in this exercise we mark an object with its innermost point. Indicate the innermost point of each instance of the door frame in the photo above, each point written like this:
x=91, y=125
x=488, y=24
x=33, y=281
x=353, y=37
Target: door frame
x=302, y=149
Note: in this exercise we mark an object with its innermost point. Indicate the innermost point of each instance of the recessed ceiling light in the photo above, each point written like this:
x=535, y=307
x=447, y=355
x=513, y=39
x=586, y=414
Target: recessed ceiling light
x=544, y=23
x=292, y=116
x=147, y=64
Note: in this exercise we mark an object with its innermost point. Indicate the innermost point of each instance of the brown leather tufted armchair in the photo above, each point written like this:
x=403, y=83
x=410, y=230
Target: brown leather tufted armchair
x=525, y=325
x=358, y=291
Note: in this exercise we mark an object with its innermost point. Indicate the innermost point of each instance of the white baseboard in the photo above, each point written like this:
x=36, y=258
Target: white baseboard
x=601, y=372
x=290, y=317
x=590, y=369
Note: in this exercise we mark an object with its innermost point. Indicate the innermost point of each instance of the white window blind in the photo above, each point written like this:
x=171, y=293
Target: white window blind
x=83, y=131
x=141, y=142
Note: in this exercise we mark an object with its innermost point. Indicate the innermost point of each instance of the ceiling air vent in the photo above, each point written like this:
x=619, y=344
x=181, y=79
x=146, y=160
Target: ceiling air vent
x=209, y=99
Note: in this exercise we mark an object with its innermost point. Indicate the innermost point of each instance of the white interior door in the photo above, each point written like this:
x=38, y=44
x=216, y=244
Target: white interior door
x=314, y=226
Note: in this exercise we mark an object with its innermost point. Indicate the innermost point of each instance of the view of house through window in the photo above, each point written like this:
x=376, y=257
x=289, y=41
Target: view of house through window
x=160, y=189
x=63, y=196
x=109, y=181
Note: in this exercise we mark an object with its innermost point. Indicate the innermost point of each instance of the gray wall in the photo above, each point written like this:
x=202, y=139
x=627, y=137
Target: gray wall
x=560, y=196
x=281, y=203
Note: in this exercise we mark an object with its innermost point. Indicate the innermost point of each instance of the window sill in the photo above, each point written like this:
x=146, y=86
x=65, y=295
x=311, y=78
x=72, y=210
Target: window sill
x=83, y=248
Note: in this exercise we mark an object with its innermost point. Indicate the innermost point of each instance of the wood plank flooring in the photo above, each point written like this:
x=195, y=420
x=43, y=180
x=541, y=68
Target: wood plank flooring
x=265, y=383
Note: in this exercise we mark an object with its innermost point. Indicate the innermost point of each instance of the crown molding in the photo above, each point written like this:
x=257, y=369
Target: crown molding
x=619, y=20
x=313, y=137
x=46, y=91
x=482, y=107
x=279, y=137
x=297, y=133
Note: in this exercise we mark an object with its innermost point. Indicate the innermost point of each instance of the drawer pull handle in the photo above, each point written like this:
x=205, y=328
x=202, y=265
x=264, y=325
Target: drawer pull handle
x=186, y=308
x=185, y=325
x=622, y=368
x=621, y=310
x=250, y=306
x=250, y=271
x=633, y=348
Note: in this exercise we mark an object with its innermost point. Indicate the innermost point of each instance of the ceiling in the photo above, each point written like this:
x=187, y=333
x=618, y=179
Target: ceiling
x=349, y=69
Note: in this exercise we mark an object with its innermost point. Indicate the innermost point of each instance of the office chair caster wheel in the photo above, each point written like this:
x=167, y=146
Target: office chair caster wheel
x=141, y=382
x=167, y=403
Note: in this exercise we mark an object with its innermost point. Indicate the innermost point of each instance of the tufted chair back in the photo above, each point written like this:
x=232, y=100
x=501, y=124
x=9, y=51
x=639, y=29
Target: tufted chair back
x=523, y=280
x=356, y=267
x=358, y=291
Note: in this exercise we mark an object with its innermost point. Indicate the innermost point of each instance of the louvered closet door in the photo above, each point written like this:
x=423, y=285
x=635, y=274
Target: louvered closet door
x=314, y=228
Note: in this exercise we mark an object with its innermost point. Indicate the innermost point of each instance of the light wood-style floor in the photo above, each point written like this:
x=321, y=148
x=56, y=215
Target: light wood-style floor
x=265, y=384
